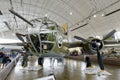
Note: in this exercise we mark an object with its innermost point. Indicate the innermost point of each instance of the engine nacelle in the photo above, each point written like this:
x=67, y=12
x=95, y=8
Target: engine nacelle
x=96, y=44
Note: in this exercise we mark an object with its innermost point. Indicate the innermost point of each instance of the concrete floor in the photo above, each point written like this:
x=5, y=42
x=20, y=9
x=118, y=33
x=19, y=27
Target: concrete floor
x=69, y=70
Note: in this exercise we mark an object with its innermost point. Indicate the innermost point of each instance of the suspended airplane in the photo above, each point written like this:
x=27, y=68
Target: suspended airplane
x=42, y=36
x=94, y=46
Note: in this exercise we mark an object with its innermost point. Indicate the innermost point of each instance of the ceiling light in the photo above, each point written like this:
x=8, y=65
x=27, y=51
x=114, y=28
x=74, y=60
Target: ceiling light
x=94, y=16
x=46, y=15
x=70, y=13
x=102, y=14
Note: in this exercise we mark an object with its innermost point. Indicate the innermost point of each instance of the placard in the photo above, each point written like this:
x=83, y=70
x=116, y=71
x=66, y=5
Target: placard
x=46, y=78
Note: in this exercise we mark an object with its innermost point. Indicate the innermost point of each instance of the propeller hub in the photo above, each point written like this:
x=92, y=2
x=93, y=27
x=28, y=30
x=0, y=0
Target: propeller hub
x=96, y=44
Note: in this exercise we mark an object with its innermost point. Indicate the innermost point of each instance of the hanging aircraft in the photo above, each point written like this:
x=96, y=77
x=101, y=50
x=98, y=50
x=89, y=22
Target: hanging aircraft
x=42, y=36
x=94, y=46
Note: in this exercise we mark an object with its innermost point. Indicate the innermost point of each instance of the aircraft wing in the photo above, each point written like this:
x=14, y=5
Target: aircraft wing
x=23, y=44
x=74, y=44
x=111, y=45
x=111, y=42
x=107, y=43
x=13, y=44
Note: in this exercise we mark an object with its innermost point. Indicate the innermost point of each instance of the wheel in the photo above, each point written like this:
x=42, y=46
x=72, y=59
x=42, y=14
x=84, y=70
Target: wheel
x=40, y=61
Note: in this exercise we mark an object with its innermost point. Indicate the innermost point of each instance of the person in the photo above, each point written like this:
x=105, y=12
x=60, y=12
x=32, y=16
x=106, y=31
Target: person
x=25, y=59
x=6, y=60
x=2, y=55
x=13, y=54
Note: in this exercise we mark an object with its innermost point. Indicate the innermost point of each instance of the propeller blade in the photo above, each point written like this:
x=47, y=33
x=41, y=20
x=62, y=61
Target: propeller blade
x=100, y=60
x=1, y=12
x=19, y=36
x=109, y=34
x=80, y=38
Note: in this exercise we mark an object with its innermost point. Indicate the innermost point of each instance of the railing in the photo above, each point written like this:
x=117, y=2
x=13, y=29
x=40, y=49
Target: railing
x=5, y=72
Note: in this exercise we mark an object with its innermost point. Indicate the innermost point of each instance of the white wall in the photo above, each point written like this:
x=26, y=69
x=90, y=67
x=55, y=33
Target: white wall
x=117, y=35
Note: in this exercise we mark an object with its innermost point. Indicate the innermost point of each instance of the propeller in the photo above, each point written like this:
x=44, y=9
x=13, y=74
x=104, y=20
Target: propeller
x=1, y=12
x=100, y=59
x=97, y=45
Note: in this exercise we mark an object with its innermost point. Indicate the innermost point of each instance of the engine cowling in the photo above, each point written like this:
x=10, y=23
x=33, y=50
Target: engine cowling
x=96, y=44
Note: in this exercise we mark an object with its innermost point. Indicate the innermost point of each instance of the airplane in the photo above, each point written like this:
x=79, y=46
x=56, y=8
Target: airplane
x=93, y=46
x=43, y=35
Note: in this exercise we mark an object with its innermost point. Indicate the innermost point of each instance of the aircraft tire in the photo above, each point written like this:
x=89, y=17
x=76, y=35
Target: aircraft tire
x=40, y=61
